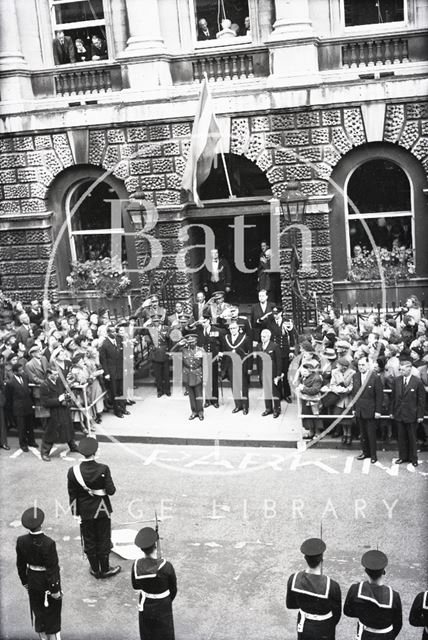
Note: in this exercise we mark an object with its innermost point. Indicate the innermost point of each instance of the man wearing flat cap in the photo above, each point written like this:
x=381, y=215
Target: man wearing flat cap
x=90, y=486
x=316, y=596
x=38, y=570
x=156, y=582
x=376, y=606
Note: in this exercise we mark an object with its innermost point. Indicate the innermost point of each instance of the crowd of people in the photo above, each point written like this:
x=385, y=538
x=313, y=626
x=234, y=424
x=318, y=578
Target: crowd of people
x=357, y=377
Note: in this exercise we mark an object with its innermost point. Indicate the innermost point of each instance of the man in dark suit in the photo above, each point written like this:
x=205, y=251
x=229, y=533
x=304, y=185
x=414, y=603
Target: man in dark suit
x=217, y=276
x=418, y=616
x=199, y=306
x=209, y=338
x=269, y=376
x=38, y=570
x=111, y=360
x=63, y=49
x=20, y=403
x=90, y=486
x=368, y=390
x=285, y=336
x=260, y=312
x=408, y=402
x=237, y=364
x=203, y=30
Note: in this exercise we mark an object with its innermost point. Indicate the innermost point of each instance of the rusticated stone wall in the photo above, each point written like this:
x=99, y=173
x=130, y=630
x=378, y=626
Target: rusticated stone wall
x=287, y=145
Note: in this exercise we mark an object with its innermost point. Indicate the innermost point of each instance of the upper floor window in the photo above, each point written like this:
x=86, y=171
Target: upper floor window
x=360, y=12
x=222, y=21
x=79, y=31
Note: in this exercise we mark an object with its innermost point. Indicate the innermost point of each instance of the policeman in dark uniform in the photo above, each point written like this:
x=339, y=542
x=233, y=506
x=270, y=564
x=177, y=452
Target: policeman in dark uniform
x=38, y=570
x=155, y=579
x=377, y=607
x=316, y=596
x=89, y=488
x=419, y=613
x=193, y=374
x=158, y=339
x=209, y=339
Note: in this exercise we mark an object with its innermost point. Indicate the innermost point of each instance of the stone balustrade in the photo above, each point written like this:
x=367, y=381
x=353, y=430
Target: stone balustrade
x=223, y=67
x=375, y=52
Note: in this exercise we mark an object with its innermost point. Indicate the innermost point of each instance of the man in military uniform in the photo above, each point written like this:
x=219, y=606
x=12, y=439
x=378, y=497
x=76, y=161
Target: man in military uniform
x=209, y=339
x=38, y=570
x=157, y=336
x=156, y=582
x=419, y=613
x=237, y=350
x=376, y=606
x=316, y=596
x=192, y=359
x=90, y=486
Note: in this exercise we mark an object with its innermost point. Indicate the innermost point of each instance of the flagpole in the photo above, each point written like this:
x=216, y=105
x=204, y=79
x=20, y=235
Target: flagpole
x=226, y=173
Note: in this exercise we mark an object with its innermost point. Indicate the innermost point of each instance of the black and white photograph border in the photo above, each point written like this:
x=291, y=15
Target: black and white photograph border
x=213, y=319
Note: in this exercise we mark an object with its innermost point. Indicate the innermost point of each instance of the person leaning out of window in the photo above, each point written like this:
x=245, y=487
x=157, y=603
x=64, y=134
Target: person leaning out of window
x=98, y=48
x=82, y=54
x=63, y=49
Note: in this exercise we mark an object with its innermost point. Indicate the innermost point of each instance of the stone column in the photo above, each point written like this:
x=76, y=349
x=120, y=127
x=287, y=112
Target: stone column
x=293, y=42
x=145, y=52
x=15, y=84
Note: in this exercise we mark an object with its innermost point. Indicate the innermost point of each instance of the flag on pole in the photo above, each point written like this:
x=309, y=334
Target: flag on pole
x=203, y=144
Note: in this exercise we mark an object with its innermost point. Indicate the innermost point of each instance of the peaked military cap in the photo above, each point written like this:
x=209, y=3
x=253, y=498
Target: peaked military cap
x=313, y=547
x=374, y=560
x=88, y=446
x=146, y=538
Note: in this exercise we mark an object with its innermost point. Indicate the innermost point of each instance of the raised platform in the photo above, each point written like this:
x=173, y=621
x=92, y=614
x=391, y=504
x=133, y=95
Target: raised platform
x=166, y=420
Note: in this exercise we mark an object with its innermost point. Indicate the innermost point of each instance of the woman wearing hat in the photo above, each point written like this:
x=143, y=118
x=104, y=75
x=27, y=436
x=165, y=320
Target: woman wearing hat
x=60, y=426
x=156, y=582
x=38, y=570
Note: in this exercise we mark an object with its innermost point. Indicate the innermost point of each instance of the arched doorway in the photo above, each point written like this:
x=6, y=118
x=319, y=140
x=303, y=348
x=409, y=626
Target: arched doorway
x=84, y=227
x=252, y=192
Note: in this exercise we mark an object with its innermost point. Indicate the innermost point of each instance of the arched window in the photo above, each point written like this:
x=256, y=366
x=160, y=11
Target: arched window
x=90, y=221
x=379, y=201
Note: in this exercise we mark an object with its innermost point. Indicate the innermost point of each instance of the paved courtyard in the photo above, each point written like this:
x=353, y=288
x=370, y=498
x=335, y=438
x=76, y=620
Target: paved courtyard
x=233, y=519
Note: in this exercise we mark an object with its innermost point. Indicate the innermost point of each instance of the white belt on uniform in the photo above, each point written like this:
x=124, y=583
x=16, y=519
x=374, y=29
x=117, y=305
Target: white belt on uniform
x=153, y=596
x=362, y=627
x=312, y=616
x=35, y=567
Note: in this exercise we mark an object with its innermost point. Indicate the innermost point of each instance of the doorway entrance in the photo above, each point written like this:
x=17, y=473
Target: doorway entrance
x=244, y=285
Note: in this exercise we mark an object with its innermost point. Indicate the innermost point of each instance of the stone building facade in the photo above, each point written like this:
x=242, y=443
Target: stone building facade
x=140, y=140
